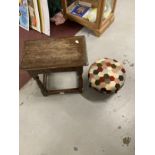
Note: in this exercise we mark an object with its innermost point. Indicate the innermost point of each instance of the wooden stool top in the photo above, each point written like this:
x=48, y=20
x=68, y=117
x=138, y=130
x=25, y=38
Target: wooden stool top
x=54, y=53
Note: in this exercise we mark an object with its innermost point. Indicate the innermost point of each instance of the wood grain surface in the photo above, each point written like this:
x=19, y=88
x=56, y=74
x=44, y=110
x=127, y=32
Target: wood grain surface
x=54, y=53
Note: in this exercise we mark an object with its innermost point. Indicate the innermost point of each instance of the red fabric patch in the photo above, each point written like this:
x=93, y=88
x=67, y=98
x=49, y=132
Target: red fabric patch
x=100, y=69
x=108, y=64
x=112, y=78
x=101, y=79
x=123, y=70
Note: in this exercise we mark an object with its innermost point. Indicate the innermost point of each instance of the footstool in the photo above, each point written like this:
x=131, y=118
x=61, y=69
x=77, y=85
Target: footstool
x=106, y=75
x=55, y=55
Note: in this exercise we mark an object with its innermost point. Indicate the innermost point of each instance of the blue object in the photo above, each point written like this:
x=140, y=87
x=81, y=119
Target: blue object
x=80, y=10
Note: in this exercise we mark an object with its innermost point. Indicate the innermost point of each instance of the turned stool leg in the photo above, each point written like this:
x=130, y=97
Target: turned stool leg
x=40, y=84
x=80, y=79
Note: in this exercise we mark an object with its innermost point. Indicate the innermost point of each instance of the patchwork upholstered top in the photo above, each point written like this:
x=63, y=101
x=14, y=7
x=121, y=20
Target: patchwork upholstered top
x=106, y=75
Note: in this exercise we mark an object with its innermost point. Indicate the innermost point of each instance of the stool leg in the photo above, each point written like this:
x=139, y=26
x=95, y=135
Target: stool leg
x=40, y=84
x=80, y=79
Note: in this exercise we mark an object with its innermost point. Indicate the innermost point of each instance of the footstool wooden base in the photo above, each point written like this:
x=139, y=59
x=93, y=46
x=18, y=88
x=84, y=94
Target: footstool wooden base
x=55, y=55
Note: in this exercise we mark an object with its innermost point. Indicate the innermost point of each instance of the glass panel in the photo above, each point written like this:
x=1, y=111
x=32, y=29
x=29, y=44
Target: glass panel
x=108, y=8
x=87, y=9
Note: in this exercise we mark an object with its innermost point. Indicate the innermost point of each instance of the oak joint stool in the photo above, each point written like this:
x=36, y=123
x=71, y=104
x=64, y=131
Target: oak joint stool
x=55, y=55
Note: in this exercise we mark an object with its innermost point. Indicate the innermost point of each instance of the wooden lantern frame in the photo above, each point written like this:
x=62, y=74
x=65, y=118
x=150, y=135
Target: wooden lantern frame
x=100, y=25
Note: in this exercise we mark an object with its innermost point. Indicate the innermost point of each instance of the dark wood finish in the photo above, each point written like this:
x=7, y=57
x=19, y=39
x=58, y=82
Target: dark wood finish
x=69, y=28
x=40, y=84
x=80, y=71
x=45, y=79
x=55, y=55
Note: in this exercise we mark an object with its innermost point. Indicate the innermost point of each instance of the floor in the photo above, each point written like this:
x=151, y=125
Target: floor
x=91, y=123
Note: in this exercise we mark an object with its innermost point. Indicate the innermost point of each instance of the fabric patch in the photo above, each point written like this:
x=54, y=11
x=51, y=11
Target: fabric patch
x=97, y=82
x=95, y=72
